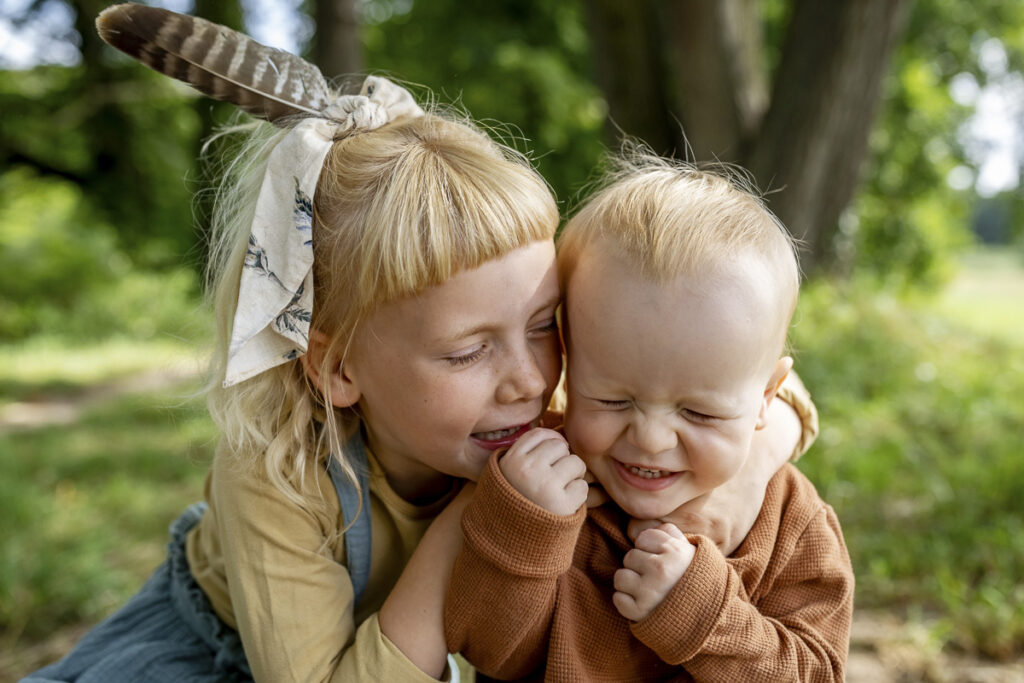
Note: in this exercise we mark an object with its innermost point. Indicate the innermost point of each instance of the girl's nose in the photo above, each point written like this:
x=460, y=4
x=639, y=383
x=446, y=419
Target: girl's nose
x=523, y=379
x=652, y=434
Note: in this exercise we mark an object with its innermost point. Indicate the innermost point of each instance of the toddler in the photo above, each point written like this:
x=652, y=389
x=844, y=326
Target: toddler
x=679, y=287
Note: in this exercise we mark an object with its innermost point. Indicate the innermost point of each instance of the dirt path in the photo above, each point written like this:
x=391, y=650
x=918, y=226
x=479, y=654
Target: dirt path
x=884, y=649
x=53, y=410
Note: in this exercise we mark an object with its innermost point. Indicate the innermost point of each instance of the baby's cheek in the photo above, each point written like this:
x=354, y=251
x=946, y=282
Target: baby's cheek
x=587, y=437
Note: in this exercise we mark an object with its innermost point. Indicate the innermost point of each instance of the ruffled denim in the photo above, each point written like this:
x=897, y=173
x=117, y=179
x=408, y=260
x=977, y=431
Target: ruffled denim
x=167, y=632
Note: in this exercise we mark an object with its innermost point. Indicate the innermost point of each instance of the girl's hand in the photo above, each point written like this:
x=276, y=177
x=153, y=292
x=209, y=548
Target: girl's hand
x=540, y=466
x=726, y=514
x=650, y=570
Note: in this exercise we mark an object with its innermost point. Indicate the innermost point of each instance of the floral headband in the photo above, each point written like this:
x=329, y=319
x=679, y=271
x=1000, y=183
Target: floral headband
x=275, y=297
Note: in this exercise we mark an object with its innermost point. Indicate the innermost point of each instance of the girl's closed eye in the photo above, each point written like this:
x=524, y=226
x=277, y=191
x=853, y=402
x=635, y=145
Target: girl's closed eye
x=467, y=357
x=545, y=328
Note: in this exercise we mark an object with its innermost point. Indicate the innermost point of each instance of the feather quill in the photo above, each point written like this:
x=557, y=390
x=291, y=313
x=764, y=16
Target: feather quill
x=217, y=61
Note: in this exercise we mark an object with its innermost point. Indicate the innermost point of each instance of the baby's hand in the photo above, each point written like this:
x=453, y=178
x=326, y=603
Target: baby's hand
x=540, y=466
x=650, y=570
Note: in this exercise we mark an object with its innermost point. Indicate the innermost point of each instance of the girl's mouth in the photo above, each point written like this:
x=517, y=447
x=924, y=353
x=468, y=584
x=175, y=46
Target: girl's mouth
x=500, y=438
x=645, y=478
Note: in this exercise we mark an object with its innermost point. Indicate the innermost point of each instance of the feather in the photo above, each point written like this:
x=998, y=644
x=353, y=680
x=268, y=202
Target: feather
x=217, y=61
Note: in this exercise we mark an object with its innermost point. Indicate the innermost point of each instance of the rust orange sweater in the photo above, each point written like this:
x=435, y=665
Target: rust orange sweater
x=531, y=595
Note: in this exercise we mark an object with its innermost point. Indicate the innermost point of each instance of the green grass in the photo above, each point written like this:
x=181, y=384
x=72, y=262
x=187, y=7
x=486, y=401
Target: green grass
x=44, y=367
x=86, y=508
x=988, y=294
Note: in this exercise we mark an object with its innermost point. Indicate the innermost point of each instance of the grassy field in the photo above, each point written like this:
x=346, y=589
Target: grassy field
x=920, y=454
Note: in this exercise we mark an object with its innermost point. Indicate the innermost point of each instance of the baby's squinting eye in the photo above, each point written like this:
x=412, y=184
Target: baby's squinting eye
x=613, y=404
x=697, y=417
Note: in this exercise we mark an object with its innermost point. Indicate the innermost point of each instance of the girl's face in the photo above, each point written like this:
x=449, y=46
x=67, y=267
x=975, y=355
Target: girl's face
x=462, y=369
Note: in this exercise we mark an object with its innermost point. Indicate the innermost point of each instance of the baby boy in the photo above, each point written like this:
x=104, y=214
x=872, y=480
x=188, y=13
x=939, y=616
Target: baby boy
x=680, y=285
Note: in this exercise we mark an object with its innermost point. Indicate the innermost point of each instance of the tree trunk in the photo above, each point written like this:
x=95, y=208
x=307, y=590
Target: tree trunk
x=815, y=133
x=630, y=71
x=337, y=46
x=719, y=87
x=700, y=64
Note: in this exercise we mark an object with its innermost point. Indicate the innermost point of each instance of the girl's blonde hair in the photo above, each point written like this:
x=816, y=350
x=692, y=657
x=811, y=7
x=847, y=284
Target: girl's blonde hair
x=396, y=210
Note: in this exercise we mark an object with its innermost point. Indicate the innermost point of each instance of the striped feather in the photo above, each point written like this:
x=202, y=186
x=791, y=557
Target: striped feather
x=217, y=61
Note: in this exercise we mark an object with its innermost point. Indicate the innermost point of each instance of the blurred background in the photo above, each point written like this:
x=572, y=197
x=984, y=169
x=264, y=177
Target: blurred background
x=890, y=136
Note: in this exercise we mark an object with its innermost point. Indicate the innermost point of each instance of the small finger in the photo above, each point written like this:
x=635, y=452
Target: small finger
x=626, y=580
x=652, y=540
x=531, y=439
x=577, y=490
x=570, y=467
x=626, y=606
x=672, y=530
x=596, y=496
x=638, y=560
x=635, y=526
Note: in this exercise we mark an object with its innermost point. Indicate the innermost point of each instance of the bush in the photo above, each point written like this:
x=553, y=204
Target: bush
x=63, y=273
x=920, y=455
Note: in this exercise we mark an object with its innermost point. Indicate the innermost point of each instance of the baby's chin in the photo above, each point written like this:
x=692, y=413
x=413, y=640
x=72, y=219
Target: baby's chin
x=647, y=510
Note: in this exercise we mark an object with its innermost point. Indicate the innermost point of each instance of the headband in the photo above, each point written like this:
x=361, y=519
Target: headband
x=275, y=295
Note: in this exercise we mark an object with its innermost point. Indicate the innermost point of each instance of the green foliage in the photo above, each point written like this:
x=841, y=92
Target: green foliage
x=920, y=455
x=124, y=135
x=63, y=270
x=906, y=223
x=524, y=63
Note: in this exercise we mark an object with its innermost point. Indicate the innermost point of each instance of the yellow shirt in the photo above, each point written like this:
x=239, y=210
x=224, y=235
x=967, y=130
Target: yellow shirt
x=277, y=574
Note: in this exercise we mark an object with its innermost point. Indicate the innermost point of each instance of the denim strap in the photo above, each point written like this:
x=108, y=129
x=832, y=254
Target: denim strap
x=357, y=536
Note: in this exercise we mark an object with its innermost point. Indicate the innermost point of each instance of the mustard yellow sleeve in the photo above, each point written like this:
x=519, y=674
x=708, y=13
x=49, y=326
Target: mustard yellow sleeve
x=375, y=658
x=796, y=395
x=290, y=597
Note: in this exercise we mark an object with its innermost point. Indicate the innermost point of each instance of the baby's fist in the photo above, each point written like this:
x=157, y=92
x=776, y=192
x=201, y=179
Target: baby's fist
x=540, y=466
x=650, y=570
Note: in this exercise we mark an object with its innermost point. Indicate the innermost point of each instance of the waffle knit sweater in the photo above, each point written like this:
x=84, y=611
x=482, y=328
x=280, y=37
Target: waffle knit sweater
x=531, y=595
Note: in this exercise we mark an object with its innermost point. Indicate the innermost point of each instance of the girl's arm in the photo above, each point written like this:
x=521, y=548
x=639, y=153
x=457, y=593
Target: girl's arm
x=412, y=616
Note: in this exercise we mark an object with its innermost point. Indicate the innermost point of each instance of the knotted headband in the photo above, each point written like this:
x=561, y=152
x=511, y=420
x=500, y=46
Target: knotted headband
x=275, y=297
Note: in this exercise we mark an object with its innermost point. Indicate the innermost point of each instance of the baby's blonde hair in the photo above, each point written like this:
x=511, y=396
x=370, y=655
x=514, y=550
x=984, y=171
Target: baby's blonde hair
x=673, y=218
x=396, y=210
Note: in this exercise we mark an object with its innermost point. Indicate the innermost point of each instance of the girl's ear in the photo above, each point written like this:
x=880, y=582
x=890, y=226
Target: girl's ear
x=779, y=375
x=330, y=379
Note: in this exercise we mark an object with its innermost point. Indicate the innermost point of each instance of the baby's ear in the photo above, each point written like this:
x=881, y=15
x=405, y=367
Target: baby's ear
x=779, y=375
x=330, y=378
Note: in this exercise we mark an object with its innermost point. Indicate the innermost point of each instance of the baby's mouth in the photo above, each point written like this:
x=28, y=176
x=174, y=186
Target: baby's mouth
x=647, y=473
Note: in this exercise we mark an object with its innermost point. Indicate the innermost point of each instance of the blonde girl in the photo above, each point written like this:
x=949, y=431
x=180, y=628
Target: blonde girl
x=385, y=292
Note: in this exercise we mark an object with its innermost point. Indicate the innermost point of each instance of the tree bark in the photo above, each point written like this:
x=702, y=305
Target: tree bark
x=719, y=86
x=630, y=71
x=700, y=65
x=826, y=91
x=337, y=47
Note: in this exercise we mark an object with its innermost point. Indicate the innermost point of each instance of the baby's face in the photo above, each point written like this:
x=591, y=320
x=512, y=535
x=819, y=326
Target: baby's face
x=666, y=381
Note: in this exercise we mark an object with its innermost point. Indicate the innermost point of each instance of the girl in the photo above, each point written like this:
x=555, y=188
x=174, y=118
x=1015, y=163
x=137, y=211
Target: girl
x=385, y=292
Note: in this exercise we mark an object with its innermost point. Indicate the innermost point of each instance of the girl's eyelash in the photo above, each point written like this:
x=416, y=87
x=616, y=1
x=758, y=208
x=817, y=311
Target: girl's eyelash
x=549, y=326
x=467, y=358
x=613, y=404
x=698, y=417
